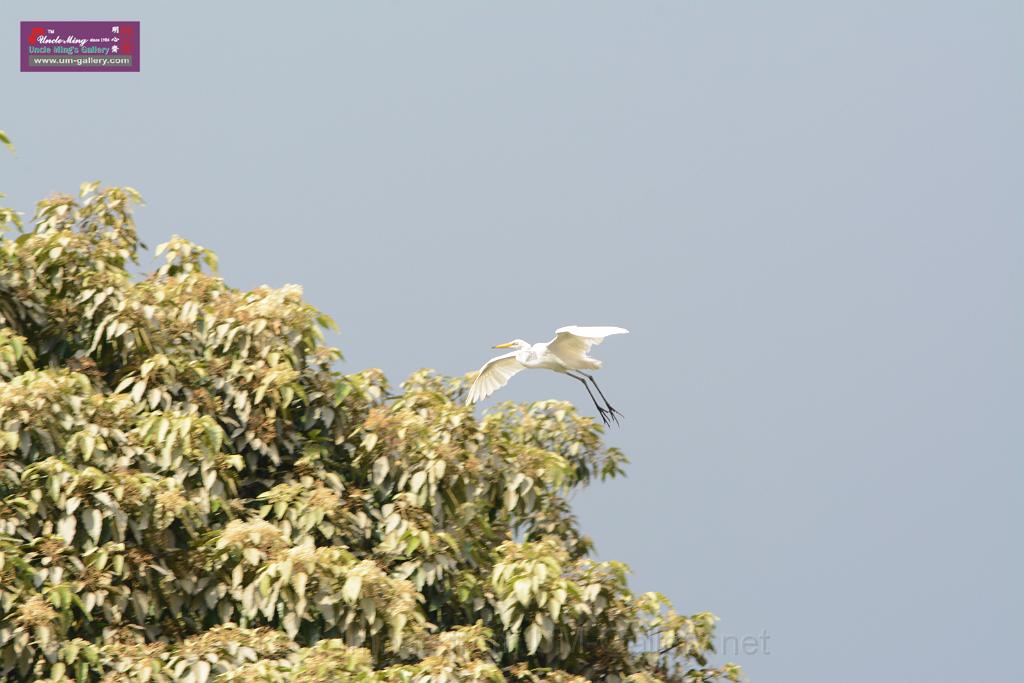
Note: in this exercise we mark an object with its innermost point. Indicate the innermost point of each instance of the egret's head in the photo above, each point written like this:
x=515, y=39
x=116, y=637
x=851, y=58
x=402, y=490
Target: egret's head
x=517, y=344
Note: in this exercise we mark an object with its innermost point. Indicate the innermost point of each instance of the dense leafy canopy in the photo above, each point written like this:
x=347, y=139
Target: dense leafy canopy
x=189, y=490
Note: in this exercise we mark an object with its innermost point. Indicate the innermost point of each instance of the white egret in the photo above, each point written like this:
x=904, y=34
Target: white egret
x=566, y=352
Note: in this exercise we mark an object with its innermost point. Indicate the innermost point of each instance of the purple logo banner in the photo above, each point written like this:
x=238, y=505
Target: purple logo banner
x=79, y=46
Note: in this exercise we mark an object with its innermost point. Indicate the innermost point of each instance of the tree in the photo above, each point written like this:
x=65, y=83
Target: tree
x=190, y=490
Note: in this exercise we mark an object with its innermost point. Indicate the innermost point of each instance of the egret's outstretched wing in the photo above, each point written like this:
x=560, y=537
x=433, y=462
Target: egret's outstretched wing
x=493, y=376
x=574, y=341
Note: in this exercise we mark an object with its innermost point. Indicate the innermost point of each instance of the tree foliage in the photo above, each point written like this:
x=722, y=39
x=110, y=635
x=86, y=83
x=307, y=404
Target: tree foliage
x=190, y=490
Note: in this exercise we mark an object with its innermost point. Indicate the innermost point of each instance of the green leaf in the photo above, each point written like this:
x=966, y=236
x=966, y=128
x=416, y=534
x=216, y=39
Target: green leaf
x=522, y=590
x=66, y=528
x=380, y=469
x=532, y=638
x=369, y=441
x=353, y=585
x=92, y=520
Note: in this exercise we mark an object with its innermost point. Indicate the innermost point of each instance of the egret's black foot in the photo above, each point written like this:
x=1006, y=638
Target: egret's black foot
x=605, y=415
x=608, y=409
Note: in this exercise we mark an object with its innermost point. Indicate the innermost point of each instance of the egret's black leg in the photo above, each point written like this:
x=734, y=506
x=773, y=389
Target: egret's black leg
x=614, y=413
x=604, y=413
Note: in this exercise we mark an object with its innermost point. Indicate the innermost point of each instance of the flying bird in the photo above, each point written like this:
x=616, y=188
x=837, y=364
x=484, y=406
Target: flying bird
x=566, y=353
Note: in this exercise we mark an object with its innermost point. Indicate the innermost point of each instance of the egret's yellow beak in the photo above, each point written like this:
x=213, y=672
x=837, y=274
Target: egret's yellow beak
x=506, y=345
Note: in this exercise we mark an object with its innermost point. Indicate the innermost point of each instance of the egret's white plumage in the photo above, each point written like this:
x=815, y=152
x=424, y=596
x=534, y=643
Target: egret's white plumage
x=494, y=375
x=567, y=351
x=572, y=344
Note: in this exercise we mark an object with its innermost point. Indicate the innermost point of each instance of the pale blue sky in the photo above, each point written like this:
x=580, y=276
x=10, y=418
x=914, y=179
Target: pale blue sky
x=808, y=214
